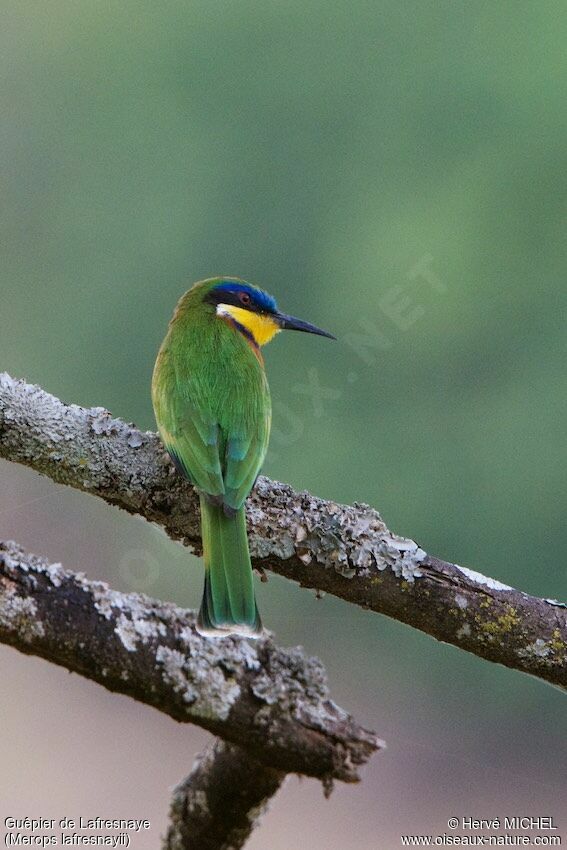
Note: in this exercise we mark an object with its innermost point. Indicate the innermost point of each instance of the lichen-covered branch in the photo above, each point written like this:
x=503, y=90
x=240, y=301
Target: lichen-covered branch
x=221, y=801
x=273, y=702
x=344, y=550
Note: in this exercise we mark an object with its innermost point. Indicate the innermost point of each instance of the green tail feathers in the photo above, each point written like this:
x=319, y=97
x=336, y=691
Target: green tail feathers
x=229, y=603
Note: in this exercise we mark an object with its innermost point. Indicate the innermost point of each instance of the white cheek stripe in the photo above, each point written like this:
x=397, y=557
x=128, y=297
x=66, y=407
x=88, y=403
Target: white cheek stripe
x=223, y=310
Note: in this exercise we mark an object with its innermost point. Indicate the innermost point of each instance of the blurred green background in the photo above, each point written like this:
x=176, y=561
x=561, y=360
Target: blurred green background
x=394, y=172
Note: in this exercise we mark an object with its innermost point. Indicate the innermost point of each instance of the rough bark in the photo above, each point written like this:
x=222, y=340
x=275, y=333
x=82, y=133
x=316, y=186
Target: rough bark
x=344, y=550
x=221, y=801
x=273, y=702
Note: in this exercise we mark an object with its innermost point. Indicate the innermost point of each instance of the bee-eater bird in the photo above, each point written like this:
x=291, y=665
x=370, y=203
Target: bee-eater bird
x=212, y=405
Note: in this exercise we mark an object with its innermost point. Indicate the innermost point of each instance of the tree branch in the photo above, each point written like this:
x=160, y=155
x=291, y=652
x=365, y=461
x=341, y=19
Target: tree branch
x=221, y=801
x=344, y=550
x=272, y=701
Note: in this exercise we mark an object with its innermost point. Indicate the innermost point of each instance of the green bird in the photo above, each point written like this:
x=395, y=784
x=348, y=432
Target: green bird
x=213, y=410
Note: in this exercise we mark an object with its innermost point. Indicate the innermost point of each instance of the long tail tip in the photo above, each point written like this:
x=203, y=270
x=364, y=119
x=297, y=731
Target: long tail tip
x=206, y=628
x=226, y=631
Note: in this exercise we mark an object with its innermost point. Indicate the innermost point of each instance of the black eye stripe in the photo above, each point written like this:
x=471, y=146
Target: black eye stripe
x=234, y=298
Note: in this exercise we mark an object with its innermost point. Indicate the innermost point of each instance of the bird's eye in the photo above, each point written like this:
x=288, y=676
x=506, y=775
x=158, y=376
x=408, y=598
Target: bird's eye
x=244, y=298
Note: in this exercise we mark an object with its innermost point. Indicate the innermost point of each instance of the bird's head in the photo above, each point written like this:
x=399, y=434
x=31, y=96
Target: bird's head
x=252, y=311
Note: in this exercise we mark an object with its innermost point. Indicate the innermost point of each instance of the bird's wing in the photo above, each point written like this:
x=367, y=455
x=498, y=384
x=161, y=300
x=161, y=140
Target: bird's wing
x=192, y=440
x=244, y=455
x=220, y=459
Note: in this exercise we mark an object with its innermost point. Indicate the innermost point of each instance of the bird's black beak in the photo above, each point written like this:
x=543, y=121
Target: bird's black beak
x=290, y=323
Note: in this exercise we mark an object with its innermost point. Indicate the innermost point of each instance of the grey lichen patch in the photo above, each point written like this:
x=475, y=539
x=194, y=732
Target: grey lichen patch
x=135, y=439
x=552, y=652
x=175, y=672
x=101, y=422
x=538, y=649
x=106, y=601
x=263, y=546
x=15, y=562
x=325, y=545
x=403, y=556
x=109, y=603
x=56, y=574
x=461, y=601
x=18, y=613
x=292, y=681
x=351, y=540
x=131, y=631
x=464, y=631
x=135, y=623
x=205, y=688
x=482, y=581
x=248, y=656
x=134, y=613
x=12, y=564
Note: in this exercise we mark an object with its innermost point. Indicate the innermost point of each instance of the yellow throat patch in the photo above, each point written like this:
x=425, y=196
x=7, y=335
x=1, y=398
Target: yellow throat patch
x=260, y=325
